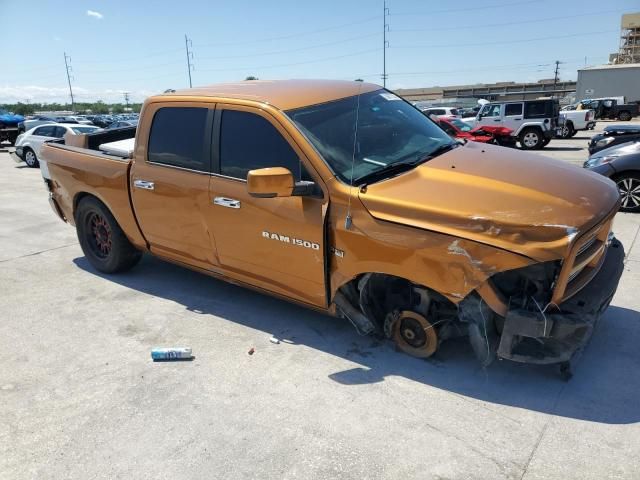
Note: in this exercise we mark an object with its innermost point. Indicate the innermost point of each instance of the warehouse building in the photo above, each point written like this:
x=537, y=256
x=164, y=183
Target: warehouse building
x=491, y=91
x=609, y=81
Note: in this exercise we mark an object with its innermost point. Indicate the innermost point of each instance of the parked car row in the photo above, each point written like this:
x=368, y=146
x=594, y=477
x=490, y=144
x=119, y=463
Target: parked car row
x=615, y=153
x=102, y=121
x=28, y=144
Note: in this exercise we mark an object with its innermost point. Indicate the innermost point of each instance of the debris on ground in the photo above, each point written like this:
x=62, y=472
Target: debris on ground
x=171, y=353
x=251, y=351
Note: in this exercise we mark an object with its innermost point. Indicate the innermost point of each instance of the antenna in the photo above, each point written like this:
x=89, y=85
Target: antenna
x=385, y=43
x=347, y=220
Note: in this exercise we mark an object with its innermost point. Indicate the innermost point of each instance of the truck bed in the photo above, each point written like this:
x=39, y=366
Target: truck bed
x=72, y=172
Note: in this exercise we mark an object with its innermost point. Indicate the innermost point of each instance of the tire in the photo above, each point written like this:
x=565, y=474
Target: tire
x=624, y=116
x=573, y=133
x=629, y=186
x=567, y=130
x=30, y=158
x=545, y=142
x=101, y=238
x=531, y=139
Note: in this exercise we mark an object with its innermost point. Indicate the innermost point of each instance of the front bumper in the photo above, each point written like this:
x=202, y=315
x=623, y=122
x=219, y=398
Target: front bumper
x=555, y=336
x=16, y=154
x=604, y=169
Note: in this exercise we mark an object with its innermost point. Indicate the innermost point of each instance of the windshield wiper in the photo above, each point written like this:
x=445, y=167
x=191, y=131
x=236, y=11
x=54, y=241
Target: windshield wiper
x=400, y=167
x=385, y=172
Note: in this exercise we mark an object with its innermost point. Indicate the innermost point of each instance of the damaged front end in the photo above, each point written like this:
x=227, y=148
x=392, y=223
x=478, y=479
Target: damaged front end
x=533, y=328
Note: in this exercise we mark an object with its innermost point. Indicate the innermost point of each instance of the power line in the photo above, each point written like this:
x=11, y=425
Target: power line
x=189, y=58
x=502, y=42
x=522, y=22
x=293, y=35
x=265, y=67
x=292, y=50
x=466, y=9
x=67, y=67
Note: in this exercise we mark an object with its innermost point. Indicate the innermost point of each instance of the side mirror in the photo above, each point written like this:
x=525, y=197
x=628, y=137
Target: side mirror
x=276, y=182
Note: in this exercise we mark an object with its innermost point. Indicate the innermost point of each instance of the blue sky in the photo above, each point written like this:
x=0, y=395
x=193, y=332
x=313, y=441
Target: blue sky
x=138, y=46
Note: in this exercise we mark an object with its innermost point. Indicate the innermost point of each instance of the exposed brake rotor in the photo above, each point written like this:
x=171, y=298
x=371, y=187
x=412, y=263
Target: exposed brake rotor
x=413, y=334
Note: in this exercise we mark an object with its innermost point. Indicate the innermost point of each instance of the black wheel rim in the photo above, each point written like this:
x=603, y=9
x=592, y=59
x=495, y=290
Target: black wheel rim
x=99, y=235
x=630, y=192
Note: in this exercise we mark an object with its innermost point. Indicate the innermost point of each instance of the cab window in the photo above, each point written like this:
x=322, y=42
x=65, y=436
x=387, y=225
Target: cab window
x=178, y=136
x=494, y=111
x=249, y=141
x=512, y=109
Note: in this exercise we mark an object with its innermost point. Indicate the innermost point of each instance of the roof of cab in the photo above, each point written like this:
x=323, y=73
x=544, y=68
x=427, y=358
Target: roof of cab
x=282, y=94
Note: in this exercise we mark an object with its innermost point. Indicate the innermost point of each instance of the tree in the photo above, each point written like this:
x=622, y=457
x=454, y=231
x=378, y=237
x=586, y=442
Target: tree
x=251, y=77
x=358, y=80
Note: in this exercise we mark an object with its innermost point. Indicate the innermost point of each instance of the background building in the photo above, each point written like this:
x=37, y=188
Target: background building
x=493, y=91
x=609, y=81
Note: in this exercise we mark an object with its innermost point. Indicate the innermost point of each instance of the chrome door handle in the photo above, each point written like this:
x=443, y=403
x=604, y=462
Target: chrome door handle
x=226, y=202
x=144, y=184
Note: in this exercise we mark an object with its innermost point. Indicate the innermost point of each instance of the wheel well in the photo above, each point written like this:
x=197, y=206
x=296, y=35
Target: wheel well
x=378, y=294
x=79, y=197
x=626, y=172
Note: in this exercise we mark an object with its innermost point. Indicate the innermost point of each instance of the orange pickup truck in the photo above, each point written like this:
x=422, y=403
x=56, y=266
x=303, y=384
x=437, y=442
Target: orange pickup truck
x=343, y=197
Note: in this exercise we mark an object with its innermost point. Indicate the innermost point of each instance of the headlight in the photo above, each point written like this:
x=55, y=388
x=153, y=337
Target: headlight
x=604, y=141
x=595, y=161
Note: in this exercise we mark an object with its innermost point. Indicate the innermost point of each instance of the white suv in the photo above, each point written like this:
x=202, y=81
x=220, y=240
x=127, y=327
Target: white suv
x=534, y=122
x=442, y=112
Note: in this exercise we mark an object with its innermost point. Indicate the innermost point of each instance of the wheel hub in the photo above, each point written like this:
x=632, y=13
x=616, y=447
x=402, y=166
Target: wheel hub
x=413, y=334
x=101, y=235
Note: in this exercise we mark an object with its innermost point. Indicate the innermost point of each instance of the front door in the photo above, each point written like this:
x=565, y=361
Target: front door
x=274, y=243
x=170, y=183
x=490, y=115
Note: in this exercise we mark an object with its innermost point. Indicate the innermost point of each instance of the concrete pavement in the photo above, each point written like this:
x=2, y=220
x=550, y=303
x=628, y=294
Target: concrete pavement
x=81, y=399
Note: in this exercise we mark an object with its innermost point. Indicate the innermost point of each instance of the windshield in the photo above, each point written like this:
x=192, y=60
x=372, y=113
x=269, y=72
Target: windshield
x=464, y=126
x=390, y=131
x=83, y=129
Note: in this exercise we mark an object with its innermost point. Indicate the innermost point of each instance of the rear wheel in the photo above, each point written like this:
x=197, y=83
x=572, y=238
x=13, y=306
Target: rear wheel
x=624, y=116
x=567, y=130
x=629, y=187
x=101, y=238
x=531, y=139
x=30, y=158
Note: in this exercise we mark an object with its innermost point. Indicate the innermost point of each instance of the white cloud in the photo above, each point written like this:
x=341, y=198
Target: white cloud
x=39, y=94
x=93, y=13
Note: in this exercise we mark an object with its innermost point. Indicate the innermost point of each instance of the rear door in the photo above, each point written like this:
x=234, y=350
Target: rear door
x=273, y=243
x=170, y=182
x=513, y=115
x=39, y=136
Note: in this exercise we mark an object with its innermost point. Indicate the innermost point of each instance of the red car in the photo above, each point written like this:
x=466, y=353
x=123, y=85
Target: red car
x=484, y=134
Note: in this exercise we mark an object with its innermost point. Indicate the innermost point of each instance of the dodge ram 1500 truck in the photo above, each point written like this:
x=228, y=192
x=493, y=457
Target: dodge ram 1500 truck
x=345, y=198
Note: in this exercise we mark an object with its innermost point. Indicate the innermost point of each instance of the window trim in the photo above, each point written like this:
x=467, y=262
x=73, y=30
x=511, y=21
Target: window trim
x=208, y=134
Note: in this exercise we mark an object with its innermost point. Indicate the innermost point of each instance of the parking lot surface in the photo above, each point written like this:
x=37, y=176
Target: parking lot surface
x=80, y=397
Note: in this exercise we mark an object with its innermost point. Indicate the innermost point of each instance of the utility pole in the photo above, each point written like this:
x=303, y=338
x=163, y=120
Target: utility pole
x=385, y=44
x=555, y=78
x=188, y=43
x=126, y=98
x=67, y=65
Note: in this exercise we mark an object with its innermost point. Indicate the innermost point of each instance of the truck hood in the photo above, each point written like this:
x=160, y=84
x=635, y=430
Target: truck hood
x=10, y=119
x=517, y=201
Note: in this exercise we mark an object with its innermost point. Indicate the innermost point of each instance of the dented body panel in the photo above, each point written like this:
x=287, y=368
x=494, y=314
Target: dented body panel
x=482, y=241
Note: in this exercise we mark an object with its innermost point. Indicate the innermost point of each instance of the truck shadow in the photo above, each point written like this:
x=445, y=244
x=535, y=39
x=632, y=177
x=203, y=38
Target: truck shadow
x=604, y=388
